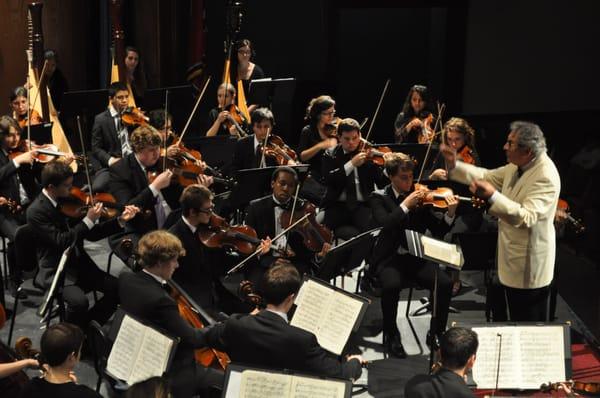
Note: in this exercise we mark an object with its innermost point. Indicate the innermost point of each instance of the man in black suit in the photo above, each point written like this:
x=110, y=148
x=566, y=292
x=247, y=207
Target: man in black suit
x=110, y=138
x=397, y=208
x=264, y=215
x=247, y=153
x=54, y=234
x=266, y=339
x=145, y=295
x=458, y=347
x=19, y=188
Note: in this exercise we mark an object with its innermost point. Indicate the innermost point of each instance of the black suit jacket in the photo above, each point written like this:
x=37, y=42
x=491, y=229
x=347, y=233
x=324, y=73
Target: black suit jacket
x=9, y=185
x=54, y=234
x=445, y=383
x=143, y=297
x=244, y=155
x=267, y=340
x=369, y=175
x=105, y=142
x=388, y=214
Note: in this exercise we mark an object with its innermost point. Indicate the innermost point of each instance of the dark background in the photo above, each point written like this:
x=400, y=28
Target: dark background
x=489, y=61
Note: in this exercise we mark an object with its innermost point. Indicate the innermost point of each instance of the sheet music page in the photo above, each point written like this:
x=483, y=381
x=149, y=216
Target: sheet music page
x=152, y=357
x=313, y=299
x=257, y=384
x=337, y=322
x=442, y=251
x=306, y=387
x=125, y=349
x=531, y=355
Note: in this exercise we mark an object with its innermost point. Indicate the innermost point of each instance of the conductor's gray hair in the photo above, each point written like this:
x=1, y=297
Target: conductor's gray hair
x=529, y=136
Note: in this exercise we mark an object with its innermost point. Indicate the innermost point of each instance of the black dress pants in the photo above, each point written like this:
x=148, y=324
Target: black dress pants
x=527, y=305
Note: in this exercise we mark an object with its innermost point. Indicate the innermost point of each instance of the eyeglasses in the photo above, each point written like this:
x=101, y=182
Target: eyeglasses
x=330, y=113
x=207, y=211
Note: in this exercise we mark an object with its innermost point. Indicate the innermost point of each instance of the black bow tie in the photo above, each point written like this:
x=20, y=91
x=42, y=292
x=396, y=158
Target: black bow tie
x=284, y=206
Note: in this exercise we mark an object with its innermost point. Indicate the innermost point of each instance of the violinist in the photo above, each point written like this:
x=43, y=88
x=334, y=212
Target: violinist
x=53, y=235
x=268, y=340
x=458, y=350
x=397, y=208
x=110, y=136
x=460, y=136
x=18, y=103
x=61, y=350
x=315, y=138
x=19, y=186
x=414, y=119
x=248, y=150
x=264, y=215
x=145, y=295
x=242, y=67
x=222, y=119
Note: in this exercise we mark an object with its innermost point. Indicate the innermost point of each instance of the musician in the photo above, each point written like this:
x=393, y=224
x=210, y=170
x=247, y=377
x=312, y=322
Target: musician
x=264, y=216
x=165, y=128
x=458, y=349
x=57, y=83
x=110, y=137
x=61, y=350
x=53, y=235
x=154, y=387
x=350, y=178
x=18, y=103
x=410, y=121
x=217, y=117
x=268, y=340
x=460, y=136
x=315, y=138
x=396, y=208
x=144, y=295
x=248, y=153
x=17, y=184
x=242, y=68
x=523, y=195
x=136, y=76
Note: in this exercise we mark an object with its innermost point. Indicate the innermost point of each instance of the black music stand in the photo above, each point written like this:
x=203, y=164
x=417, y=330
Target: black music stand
x=40, y=133
x=335, y=262
x=85, y=102
x=263, y=91
x=216, y=151
x=181, y=102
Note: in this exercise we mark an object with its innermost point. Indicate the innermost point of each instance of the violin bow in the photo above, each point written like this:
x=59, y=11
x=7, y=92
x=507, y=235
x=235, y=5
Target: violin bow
x=387, y=83
x=85, y=160
x=257, y=251
x=166, y=124
x=293, y=210
x=441, y=109
x=187, y=124
x=262, y=163
x=30, y=61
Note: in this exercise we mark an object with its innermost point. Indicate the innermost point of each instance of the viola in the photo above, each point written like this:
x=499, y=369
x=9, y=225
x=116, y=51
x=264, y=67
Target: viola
x=563, y=206
x=375, y=155
x=466, y=155
x=278, y=150
x=191, y=313
x=437, y=197
x=314, y=235
x=219, y=234
x=78, y=203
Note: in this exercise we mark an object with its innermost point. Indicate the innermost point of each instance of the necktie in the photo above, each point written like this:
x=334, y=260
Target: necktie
x=161, y=216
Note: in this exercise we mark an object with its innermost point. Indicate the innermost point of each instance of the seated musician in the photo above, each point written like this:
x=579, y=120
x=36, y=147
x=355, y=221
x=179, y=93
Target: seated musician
x=397, y=208
x=460, y=136
x=18, y=104
x=220, y=118
x=144, y=295
x=54, y=234
x=458, y=349
x=264, y=215
x=110, y=137
x=268, y=340
x=315, y=139
x=61, y=350
x=412, y=120
x=248, y=153
x=19, y=187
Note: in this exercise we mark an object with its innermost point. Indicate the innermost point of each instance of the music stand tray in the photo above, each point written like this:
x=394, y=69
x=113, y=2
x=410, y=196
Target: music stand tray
x=40, y=133
x=263, y=91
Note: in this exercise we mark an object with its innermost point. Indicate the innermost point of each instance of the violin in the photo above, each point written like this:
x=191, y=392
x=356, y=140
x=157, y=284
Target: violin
x=236, y=118
x=278, y=150
x=437, y=197
x=186, y=174
x=78, y=203
x=587, y=388
x=12, y=206
x=43, y=153
x=34, y=116
x=247, y=294
x=563, y=207
x=191, y=313
x=427, y=134
x=134, y=117
x=375, y=155
x=314, y=235
x=219, y=234
x=466, y=155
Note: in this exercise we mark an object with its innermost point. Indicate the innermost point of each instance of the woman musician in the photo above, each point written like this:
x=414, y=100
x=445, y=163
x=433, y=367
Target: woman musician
x=226, y=119
x=415, y=123
x=18, y=103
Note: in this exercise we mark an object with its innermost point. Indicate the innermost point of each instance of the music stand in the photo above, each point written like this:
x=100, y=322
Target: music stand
x=336, y=259
x=40, y=133
x=216, y=151
x=84, y=102
x=181, y=103
x=263, y=91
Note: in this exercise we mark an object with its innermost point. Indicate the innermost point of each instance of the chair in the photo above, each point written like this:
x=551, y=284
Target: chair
x=100, y=348
x=4, y=272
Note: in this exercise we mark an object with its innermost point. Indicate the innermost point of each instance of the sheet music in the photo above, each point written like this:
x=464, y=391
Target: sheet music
x=330, y=315
x=442, y=251
x=530, y=356
x=139, y=352
x=306, y=387
x=256, y=384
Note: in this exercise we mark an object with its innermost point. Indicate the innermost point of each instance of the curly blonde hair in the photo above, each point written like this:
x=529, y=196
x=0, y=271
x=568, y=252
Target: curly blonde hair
x=460, y=125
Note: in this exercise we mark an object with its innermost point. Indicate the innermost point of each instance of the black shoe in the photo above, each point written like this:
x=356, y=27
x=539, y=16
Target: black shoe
x=393, y=345
x=17, y=291
x=370, y=285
